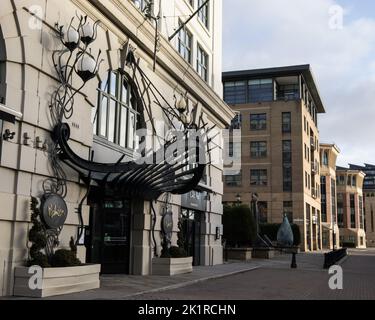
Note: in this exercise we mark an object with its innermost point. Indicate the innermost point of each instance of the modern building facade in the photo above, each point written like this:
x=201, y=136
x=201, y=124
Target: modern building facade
x=121, y=232
x=278, y=112
x=369, y=200
x=350, y=213
x=330, y=229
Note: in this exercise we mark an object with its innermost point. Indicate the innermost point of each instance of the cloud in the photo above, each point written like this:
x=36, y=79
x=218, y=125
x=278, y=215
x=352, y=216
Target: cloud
x=267, y=33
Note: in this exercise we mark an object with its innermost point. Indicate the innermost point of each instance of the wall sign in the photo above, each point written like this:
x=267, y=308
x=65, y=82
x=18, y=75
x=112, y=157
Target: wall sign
x=54, y=211
x=194, y=200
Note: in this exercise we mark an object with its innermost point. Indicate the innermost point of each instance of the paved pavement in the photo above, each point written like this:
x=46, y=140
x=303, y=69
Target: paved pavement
x=276, y=281
x=255, y=279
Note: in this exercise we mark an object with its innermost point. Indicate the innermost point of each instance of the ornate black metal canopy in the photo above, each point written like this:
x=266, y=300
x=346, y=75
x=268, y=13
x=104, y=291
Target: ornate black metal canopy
x=129, y=179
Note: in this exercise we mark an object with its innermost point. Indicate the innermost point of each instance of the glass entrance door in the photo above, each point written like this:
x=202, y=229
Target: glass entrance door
x=110, y=234
x=191, y=228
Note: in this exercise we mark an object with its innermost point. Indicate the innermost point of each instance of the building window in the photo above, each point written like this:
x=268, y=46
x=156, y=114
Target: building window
x=354, y=181
x=352, y=211
x=287, y=122
x=258, y=149
x=287, y=166
x=235, y=92
x=325, y=158
x=258, y=121
x=261, y=90
x=323, y=191
x=341, y=180
x=263, y=211
x=233, y=180
x=185, y=43
x=203, y=14
x=333, y=199
x=340, y=210
x=258, y=177
x=202, y=63
x=349, y=181
x=116, y=116
x=288, y=92
x=288, y=210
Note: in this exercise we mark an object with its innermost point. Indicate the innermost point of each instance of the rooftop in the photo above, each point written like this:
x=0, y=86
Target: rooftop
x=304, y=70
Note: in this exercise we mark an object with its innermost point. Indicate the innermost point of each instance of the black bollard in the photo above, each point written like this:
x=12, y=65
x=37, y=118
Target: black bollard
x=294, y=263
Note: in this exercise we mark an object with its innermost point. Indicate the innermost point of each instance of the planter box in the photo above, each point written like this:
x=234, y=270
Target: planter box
x=243, y=254
x=263, y=253
x=171, y=266
x=57, y=281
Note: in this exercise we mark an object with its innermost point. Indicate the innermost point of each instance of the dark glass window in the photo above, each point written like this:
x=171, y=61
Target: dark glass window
x=258, y=121
x=325, y=158
x=287, y=166
x=340, y=210
x=287, y=122
x=261, y=90
x=258, y=177
x=352, y=211
x=142, y=4
x=333, y=199
x=323, y=191
x=235, y=92
x=258, y=149
x=115, y=118
x=361, y=217
x=233, y=180
x=288, y=92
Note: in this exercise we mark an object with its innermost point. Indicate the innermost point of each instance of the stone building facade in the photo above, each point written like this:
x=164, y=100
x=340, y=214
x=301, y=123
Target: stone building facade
x=188, y=68
x=278, y=112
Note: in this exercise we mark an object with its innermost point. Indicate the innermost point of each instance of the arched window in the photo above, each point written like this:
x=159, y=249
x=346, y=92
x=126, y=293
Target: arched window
x=115, y=118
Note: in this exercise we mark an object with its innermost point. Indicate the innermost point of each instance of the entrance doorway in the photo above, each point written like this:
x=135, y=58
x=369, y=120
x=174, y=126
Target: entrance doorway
x=191, y=229
x=108, y=240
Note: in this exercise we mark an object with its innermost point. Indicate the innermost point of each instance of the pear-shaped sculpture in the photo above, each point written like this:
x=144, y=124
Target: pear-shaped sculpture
x=285, y=234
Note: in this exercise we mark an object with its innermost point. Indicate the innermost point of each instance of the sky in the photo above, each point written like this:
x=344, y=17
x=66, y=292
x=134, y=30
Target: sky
x=339, y=47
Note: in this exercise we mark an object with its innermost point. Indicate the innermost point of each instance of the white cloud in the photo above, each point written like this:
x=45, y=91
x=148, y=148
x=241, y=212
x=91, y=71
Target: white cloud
x=266, y=33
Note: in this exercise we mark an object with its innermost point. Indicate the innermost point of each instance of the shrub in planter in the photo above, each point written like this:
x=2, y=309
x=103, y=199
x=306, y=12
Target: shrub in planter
x=239, y=226
x=65, y=258
x=177, y=252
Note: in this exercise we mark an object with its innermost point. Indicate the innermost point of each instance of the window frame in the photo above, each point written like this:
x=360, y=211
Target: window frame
x=259, y=152
x=202, y=57
x=121, y=109
x=261, y=124
x=204, y=13
x=259, y=174
x=182, y=43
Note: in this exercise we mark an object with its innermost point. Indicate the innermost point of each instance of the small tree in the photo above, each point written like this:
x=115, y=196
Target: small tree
x=37, y=237
x=239, y=226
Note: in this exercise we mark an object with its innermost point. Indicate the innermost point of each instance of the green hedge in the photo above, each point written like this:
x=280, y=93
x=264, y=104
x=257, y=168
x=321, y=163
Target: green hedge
x=239, y=226
x=270, y=229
